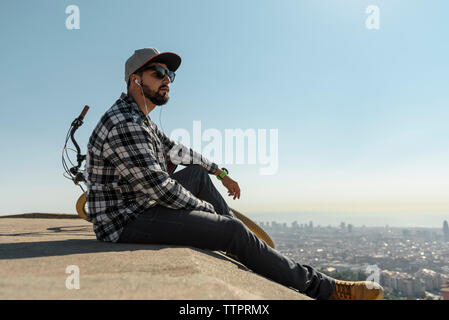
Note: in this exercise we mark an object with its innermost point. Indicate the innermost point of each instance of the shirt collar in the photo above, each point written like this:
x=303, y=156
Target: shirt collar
x=130, y=101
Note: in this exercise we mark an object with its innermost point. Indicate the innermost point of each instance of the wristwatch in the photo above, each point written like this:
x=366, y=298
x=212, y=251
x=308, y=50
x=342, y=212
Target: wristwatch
x=223, y=173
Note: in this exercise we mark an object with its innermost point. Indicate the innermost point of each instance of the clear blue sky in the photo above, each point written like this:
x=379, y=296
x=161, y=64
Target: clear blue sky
x=361, y=114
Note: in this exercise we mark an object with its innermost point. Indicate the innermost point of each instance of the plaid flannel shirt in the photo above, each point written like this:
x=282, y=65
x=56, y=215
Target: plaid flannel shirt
x=126, y=170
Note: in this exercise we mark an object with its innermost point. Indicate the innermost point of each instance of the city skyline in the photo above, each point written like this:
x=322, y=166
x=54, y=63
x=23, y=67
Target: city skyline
x=410, y=263
x=325, y=219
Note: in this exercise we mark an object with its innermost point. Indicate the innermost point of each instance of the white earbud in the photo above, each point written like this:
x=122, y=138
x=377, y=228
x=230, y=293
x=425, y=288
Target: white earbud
x=137, y=82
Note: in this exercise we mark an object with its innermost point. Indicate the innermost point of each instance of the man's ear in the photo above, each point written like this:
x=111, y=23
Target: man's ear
x=132, y=78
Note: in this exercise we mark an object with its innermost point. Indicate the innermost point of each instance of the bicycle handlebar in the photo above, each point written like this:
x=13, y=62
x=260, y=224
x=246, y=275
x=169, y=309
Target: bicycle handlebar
x=75, y=125
x=75, y=173
x=83, y=113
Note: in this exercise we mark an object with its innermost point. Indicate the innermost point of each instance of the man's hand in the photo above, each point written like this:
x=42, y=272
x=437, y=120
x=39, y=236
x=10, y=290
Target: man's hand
x=232, y=186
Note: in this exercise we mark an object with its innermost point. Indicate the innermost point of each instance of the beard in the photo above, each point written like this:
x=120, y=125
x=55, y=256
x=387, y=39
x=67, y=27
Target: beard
x=156, y=97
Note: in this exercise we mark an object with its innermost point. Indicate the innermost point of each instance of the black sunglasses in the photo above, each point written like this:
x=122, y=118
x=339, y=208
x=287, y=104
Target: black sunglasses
x=161, y=72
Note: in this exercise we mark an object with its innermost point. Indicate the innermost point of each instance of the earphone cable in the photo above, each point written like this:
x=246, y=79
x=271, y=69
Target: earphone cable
x=160, y=122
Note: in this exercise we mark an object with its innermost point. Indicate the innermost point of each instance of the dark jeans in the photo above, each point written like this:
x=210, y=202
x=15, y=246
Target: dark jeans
x=221, y=232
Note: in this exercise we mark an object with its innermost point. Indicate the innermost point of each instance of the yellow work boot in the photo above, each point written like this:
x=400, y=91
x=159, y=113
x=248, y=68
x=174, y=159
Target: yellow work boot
x=357, y=290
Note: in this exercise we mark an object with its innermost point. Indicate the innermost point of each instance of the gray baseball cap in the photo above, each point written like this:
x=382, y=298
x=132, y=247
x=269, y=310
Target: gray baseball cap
x=144, y=56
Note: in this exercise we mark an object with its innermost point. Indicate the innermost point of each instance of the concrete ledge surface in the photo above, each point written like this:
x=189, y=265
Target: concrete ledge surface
x=35, y=254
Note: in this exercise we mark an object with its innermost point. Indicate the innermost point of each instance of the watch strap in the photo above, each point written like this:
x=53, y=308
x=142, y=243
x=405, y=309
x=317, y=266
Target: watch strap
x=224, y=173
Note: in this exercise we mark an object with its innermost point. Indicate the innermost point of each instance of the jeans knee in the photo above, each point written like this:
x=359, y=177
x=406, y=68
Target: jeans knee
x=198, y=170
x=236, y=226
x=237, y=236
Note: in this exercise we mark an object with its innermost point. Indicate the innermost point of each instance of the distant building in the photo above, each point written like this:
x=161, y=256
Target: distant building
x=295, y=225
x=431, y=279
x=445, y=293
x=408, y=285
x=445, y=231
x=388, y=279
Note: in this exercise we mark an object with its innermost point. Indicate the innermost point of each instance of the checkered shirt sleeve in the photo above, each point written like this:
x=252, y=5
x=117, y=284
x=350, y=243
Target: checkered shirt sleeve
x=131, y=150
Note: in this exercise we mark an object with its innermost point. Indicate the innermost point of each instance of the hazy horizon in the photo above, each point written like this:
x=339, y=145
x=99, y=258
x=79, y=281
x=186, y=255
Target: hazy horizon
x=325, y=219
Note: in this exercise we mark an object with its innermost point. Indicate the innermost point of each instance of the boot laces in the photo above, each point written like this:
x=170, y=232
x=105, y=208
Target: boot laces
x=343, y=290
